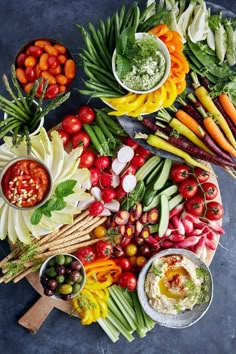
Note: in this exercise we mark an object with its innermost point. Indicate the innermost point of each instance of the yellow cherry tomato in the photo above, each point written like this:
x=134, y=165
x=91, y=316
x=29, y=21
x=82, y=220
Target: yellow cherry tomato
x=131, y=249
x=133, y=260
x=100, y=231
x=140, y=261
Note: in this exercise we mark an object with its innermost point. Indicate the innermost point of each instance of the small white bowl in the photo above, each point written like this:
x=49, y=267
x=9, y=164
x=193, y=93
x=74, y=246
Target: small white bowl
x=165, y=52
x=186, y=318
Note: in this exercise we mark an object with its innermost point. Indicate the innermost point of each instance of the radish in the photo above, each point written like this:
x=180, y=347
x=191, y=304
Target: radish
x=177, y=237
x=106, y=180
x=211, y=244
x=138, y=160
x=113, y=206
x=129, y=183
x=130, y=142
x=200, y=246
x=176, y=211
x=94, y=175
x=178, y=225
x=216, y=227
x=105, y=212
x=125, y=154
x=96, y=193
x=117, y=166
x=102, y=162
x=188, y=225
x=108, y=195
x=188, y=242
x=115, y=181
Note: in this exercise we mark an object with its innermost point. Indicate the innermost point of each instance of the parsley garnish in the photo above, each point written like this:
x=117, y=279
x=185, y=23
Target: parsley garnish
x=157, y=270
x=178, y=307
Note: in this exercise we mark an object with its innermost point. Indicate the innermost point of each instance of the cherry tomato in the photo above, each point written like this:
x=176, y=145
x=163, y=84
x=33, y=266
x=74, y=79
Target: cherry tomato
x=86, y=254
x=145, y=250
x=210, y=190
x=104, y=249
x=30, y=74
x=87, y=159
x=131, y=249
x=64, y=136
x=80, y=139
x=71, y=124
x=52, y=91
x=96, y=208
x=139, y=241
x=138, y=160
x=188, y=188
x=195, y=205
x=128, y=281
x=94, y=175
x=141, y=260
x=179, y=172
x=30, y=61
x=202, y=176
x=143, y=152
x=52, y=61
x=20, y=61
x=102, y=162
x=132, y=143
x=35, y=51
x=86, y=114
x=108, y=195
x=133, y=261
x=100, y=231
x=215, y=211
x=124, y=263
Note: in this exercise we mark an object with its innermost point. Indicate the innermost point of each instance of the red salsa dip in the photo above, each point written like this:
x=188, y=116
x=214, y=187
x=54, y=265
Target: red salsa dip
x=25, y=183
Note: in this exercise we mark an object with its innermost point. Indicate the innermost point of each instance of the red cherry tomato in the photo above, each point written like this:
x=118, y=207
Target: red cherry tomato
x=210, y=190
x=94, y=175
x=215, y=211
x=104, y=249
x=86, y=114
x=143, y=152
x=108, y=195
x=35, y=51
x=102, y=162
x=124, y=263
x=195, y=205
x=86, y=254
x=145, y=250
x=64, y=136
x=179, y=172
x=87, y=159
x=132, y=143
x=80, y=139
x=128, y=281
x=53, y=61
x=71, y=124
x=30, y=74
x=138, y=160
x=52, y=91
x=20, y=61
x=202, y=176
x=96, y=208
x=188, y=188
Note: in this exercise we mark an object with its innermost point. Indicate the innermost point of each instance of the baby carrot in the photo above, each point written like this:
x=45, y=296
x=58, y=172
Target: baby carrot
x=228, y=106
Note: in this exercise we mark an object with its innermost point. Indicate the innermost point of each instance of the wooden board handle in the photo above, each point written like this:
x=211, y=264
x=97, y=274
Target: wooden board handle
x=37, y=314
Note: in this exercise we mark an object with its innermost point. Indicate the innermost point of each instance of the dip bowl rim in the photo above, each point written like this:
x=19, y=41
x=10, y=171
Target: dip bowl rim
x=163, y=48
x=176, y=320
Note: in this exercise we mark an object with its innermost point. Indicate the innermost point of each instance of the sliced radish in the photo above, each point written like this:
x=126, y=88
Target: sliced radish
x=129, y=183
x=105, y=212
x=96, y=192
x=84, y=204
x=113, y=206
x=117, y=166
x=125, y=154
x=115, y=181
x=87, y=184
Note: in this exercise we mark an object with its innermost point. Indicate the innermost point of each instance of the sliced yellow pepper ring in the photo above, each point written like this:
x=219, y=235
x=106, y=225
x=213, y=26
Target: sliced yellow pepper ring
x=97, y=285
x=106, y=294
x=103, y=308
x=94, y=304
x=99, y=293
x=114, y=272
x=99, y=263
x=94, y=272
x=125, y=109
x=171, y=91
x=88, y=317
x=123, y=99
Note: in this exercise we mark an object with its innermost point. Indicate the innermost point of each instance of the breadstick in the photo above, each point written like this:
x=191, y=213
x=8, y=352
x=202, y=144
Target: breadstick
x=23, y=274
x=71, y=242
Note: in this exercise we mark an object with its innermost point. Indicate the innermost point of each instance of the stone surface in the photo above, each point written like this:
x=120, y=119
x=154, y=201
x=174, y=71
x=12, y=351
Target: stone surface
x=216, y=332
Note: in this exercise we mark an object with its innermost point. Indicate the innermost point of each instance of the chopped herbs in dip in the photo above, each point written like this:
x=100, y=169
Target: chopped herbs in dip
x=140, y=64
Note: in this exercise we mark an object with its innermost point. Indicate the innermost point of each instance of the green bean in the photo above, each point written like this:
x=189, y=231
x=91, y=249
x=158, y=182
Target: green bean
x=136, y=18
x=102, y=139
x=95, y=86
x=101, y=70
x=85, y=54
x=105, y=129
x=88, y=72
x=99, y=94
x=89, y=130
x=128, y=16
x=117, y=26
x=99, y=46
x=121, y=16
x=108, y=28
x=147, y=12
x=112, y=40
x=154, y=20
x=103, y=30
x=110, y=83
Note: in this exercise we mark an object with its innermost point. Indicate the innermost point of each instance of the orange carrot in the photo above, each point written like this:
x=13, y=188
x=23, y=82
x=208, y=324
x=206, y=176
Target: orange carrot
x=190, y=122
x=218, y=136
x=228, y=106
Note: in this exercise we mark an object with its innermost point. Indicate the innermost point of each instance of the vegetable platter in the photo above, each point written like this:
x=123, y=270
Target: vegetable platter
x=118, y=198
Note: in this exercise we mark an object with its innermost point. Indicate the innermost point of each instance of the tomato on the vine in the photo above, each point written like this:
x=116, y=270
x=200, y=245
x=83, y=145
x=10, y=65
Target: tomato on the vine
x=210, y=190
x=188, y=188
x=71, y=124
x=201, y=175
x=195, y=205
x=179, y=172
x=104, y=249
x=86, y=254
x=128, y=281
x=215, y=211
x=87, y=159
x=86, y=114
x=65, y=137
x=80, y=139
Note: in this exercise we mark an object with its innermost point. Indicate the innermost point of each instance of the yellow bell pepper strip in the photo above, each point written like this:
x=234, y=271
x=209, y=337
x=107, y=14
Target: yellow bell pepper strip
x=130, y=97
x=87, y=319
x=171, y=91
x=96, y=285
x=94, y=306
x=99, y=293
x=94, y=273
x=106, y=294
x=126, y=108
x=103, y=308
x=115, y=272
x=160, y=143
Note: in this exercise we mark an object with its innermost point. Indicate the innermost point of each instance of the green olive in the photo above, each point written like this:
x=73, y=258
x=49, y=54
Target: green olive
x=68, y=281
x=52, y=262
x=80, y=279
x=60, y=279
x=60, y=259
x=68, y=260
x=65, y=289
x=51, y=272
x=76, y=288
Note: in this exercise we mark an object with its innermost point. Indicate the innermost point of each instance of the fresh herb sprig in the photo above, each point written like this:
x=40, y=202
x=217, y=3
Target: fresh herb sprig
x=55, y=203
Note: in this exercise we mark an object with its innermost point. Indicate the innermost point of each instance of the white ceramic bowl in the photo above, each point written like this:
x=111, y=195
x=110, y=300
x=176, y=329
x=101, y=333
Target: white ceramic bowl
x=165, y=52
x=183, y=319
x=44, y=266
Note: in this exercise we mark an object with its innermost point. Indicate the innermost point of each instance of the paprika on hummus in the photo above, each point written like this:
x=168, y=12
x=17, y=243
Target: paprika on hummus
x=25, y=183
x=174, y=284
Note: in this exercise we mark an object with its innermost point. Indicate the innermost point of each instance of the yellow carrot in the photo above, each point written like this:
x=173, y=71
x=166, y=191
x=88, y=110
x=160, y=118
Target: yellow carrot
x=160, y=143
x=203, y=96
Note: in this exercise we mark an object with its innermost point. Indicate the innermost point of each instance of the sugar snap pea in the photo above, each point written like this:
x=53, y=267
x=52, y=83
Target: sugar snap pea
x=102, y=139
x=89, y=130
x=105, y=129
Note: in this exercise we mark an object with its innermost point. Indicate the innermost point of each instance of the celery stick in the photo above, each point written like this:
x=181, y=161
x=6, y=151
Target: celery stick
x=127, y=296
x=116, y=312
x=116, y=322
x=109, y=329
x=149, y=323
x=129, y=303
x=141, y=329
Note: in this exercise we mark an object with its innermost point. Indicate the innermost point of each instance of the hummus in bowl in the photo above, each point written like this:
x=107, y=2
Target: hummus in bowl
x=175, y=288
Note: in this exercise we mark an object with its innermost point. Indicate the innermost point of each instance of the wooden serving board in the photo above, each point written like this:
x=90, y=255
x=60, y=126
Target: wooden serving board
x=37, y=314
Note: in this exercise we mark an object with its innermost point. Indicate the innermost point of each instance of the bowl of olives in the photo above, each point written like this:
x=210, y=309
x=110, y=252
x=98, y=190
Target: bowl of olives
x=62, y=276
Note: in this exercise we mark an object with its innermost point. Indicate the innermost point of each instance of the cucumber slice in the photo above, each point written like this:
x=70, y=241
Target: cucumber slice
x=153, y=174
x=175, y=201
x=164, y=215
x=144, y=171
x=163, y=176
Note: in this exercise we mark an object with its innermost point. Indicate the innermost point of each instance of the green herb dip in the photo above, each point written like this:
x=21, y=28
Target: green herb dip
x=147, y=64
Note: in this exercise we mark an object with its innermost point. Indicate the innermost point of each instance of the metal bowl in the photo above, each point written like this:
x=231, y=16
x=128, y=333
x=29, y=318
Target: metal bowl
x=12, y=162
x=183, y=319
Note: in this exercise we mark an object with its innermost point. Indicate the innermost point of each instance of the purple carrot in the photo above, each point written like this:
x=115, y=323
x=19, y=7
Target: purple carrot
x=205, y=82
x=225, y=115
x=185, y=145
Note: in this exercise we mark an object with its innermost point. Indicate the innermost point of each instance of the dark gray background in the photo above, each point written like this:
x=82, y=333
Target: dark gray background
x=21, y=21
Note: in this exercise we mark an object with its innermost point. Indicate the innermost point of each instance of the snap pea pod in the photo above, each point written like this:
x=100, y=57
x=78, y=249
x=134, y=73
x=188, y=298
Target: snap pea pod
x=105, y=129
x=204, y=58
x=99, y=93
x=104, y=53
x=94, y=139
x=146, y=12
x=128, y=17
x=102, y=139
x=115, y=127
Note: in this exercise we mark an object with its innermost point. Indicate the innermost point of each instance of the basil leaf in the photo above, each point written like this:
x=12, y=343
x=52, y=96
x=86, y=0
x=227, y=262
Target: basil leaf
x=65, y=188
x=47, y=213
x=123, y=65
x=36, y=216
x=59, y=204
